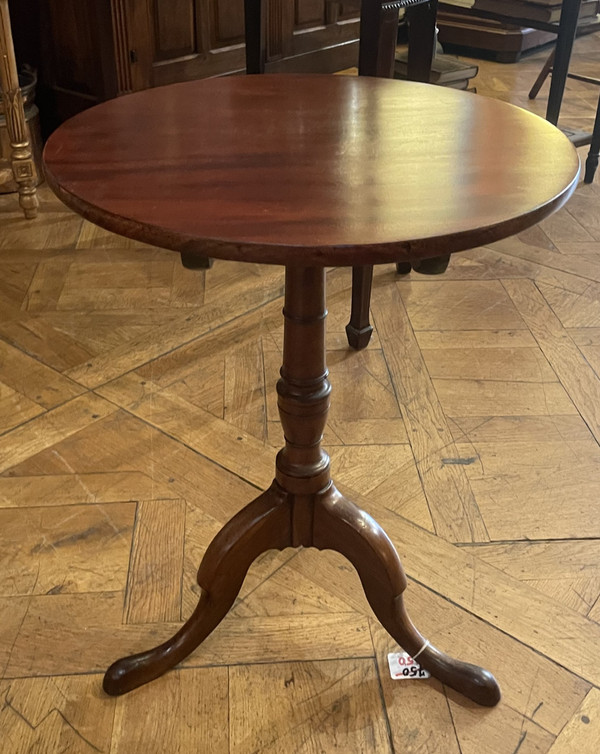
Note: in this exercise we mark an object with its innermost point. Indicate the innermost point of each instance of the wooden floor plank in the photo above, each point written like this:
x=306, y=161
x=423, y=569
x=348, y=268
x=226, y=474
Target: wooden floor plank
x=73, y=489
x=47, y=285
x=536, y=490
x=574, y=372
x=39, y=383
x=139, y=351
x=501, y=731
x=472, y=415
x=188, y=714
x=53, y=426
x=418, y=712
x=13, y=611
x=215, y=438
x=154, y=582
x=569, y=571
x=582, y=732
x=63, y=713
x=65, y=549
x=451, y=502
x=307, y=707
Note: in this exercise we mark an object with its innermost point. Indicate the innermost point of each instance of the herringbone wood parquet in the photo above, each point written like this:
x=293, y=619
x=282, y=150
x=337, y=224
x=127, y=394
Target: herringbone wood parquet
x=138, y=414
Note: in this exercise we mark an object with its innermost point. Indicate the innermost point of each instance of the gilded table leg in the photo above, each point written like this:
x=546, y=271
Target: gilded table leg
x=22, y=158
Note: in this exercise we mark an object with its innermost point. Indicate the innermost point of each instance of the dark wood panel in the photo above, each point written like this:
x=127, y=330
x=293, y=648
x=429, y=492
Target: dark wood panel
x=227, y=25
x=92, y=50
x=174, y=28
x=81, y=31
x=347, y=9
x=324, y=37
x=309, y=13
x=140, y=29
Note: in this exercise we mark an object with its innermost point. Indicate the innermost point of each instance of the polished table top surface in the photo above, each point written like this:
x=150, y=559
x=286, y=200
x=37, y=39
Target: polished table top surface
x=311, y=169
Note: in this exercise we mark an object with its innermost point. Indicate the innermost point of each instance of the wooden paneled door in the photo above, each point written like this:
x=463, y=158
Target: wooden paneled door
x=92, y=50
x=178, y=40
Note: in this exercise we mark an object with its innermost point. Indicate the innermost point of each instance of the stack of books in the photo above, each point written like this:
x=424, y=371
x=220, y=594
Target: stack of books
x=446, y=70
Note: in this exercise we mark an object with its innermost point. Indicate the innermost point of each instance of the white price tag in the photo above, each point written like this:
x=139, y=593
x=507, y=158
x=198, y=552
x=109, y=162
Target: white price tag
x=403, y=666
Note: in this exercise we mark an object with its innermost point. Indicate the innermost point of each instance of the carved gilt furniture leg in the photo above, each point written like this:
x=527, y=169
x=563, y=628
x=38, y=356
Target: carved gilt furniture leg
x=21, y=157
x=302, y=508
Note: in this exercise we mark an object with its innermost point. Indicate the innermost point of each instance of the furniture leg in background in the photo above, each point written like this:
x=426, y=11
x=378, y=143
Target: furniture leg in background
x=14, y=112
x=579, y=139
x=567, y=29
x=379, y=27
x=592, y=159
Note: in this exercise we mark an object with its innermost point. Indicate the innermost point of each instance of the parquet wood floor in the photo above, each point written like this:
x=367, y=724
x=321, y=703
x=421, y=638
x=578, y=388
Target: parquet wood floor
x=137, y=415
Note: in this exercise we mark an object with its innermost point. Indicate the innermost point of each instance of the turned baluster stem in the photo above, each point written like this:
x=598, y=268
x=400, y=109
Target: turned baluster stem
x=303, y=394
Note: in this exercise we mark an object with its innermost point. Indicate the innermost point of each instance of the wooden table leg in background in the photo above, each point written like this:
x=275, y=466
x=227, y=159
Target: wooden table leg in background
x=14, y=112
x=302, y=508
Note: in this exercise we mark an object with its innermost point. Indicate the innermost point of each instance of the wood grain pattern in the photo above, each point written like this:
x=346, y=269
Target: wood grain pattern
x=154, y=583
x=51, y=427
x=34, y=380
x=563, y=355
x=42, y=549
x=190, y=715
x=452, y=504
x=583, y=730
x=327, y=707
x=534, y=478
x=63, y=713
x=386, y=221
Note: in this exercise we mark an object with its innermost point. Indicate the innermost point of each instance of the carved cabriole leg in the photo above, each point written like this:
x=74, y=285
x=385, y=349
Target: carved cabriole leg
x=340, y=525
x=14, y=112
x=262, y=525
x=302, y=508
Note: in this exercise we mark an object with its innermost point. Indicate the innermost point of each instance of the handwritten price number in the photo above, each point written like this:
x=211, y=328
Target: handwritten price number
x=402, y=665
x=414, y=672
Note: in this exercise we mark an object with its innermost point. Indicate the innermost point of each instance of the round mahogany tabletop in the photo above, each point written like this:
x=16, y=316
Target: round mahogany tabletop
x=311, y=169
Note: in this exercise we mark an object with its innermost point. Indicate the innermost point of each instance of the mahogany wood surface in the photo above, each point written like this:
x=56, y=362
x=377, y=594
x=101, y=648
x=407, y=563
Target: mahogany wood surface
x=311, y=169
x=306, y=172
x=302, y=508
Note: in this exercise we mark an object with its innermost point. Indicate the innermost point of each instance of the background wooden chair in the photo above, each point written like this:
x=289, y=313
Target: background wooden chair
x=593, y=139
x=565, y=30
x=14, y=112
